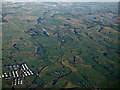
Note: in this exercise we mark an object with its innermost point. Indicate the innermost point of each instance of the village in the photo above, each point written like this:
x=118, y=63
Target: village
x=17, y=73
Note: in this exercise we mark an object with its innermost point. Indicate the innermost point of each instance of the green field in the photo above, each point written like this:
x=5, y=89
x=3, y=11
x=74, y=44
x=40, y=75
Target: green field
x=66, y=45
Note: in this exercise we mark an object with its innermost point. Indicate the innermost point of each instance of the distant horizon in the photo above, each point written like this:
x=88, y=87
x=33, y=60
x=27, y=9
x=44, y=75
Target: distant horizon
x=61, y=0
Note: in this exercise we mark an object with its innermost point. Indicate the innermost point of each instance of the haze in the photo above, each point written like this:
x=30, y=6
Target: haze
x=62, y=0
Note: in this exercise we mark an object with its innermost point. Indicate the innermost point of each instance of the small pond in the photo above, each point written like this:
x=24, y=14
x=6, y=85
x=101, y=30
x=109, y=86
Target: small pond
x=106, y=18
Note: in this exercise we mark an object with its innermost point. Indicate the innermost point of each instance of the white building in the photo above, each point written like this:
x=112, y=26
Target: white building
x=2, y=75
x=18, y=80
x=17, y=65
x=13, y=73
x=25, y=73
x=15, y=82
x=17, y=73
x=30, y=71
x=6, y=75
x=26, y=66
x=23, y=67
x=21, y=81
